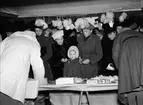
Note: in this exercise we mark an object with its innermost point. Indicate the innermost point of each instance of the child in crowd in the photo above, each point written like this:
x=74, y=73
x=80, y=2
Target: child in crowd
x=72, y=67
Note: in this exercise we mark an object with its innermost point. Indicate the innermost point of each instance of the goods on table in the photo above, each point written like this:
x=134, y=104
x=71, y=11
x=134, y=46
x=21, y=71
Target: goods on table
x=68, y=80
x=103, y=80
x=96, y=80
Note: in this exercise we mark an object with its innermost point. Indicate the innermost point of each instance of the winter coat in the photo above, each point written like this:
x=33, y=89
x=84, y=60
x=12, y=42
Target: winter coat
x=90, y=49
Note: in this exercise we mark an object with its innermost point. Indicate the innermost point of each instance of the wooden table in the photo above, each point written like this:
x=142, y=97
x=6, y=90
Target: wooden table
x=80, y=87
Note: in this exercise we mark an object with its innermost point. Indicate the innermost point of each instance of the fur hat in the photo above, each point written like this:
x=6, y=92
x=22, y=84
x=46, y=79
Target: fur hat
x=90, y=26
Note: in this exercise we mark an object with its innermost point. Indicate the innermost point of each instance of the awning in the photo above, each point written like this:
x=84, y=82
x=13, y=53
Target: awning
x=75, y=8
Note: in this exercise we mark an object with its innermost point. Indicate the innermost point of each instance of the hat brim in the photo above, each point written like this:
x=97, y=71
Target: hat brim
x=40, y=27
x=91, y=27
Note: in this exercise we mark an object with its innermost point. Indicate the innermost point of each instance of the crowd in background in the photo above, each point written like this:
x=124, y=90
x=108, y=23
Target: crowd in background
x=54, y=48
x=115, y=47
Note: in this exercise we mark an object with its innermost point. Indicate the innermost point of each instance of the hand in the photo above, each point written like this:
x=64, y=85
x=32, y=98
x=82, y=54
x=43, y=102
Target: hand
x=86, y=61
x=80, y=60
x=43, y=82
x=64, y=59
x=110, y=67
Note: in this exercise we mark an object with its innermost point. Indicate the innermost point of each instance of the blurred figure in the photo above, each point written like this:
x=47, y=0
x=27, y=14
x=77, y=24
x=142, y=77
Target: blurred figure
x=71, y=37
x=107, y=44
x=45, y=42
x=128, y=58
x=38, y=30
x=17, y=52
x=98, y=33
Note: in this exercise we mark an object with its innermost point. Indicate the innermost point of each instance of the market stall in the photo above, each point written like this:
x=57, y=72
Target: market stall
x=77, y=93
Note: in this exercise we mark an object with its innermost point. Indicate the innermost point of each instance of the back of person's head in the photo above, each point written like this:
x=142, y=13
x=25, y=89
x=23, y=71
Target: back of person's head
x=9, y=29
x=128, y=22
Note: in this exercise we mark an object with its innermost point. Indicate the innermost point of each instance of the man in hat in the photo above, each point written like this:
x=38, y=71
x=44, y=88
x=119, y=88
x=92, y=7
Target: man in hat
x=128, y=58
x=90, y=51
x=17, y=52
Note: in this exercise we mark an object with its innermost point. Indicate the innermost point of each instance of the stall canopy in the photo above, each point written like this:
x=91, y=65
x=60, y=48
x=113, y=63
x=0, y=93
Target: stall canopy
x=34, y=8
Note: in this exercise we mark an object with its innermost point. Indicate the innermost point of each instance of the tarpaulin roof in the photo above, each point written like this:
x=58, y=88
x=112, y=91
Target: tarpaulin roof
x=34, y=8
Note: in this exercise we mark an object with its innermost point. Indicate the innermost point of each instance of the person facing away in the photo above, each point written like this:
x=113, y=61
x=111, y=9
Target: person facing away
x=17, y=52
x=90, y=50
x=72, y=67
x=128, y=58
x=45, y=42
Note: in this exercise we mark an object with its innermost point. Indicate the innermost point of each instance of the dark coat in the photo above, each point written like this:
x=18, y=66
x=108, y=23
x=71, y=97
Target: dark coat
x=73, y=68
x=118, y=43
x=107, y=57
x=46, y=47
x=90, y=49
x=46, y=53
x=129, y=60
x=59, y=52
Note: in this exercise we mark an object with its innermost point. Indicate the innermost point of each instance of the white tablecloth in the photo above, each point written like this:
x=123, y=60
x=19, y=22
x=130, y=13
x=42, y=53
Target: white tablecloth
x=79, y=87
x=72, y=98
x=101, y=94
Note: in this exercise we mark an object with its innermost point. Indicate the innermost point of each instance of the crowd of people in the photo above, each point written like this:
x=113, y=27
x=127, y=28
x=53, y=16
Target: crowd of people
x=49, y=53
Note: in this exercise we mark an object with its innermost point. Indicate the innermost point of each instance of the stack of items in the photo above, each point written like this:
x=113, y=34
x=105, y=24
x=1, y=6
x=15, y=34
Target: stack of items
x=103, y=80
x=96, y=80
x=68, y=80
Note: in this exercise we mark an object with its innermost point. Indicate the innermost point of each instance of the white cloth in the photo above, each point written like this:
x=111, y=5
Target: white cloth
x=72, y=98
x=17, y=52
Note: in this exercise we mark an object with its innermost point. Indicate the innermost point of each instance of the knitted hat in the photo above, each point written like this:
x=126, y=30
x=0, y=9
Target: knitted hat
x=73, y=48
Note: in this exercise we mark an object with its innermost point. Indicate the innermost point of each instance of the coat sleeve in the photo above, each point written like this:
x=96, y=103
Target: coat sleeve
x=65, y=73
x=98, y=53
x=37, y=64
x=48, y=54
x=115, y=52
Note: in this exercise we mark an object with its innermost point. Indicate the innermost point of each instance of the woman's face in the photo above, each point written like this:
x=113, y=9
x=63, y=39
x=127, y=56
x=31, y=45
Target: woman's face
x=47, y=32
x=87, y=32
x=112, y=35
x=119, y=29
x=38, y=31
x=59, y=40
x=72, y=55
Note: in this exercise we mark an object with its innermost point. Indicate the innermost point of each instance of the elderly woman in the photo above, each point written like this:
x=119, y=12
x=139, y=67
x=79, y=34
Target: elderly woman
x=90, y=51
x=60, y=48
